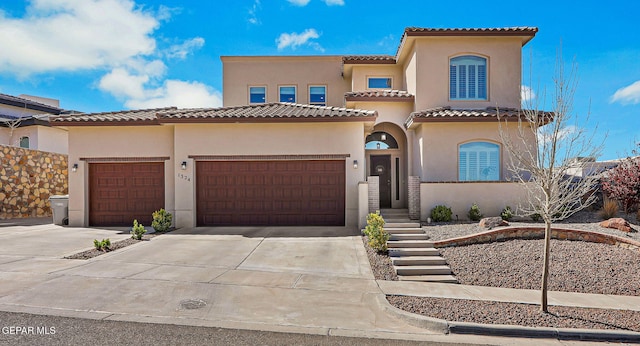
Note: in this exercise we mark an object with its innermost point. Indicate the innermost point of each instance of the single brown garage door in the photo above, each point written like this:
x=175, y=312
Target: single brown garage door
x=270, y=193
x=122, y=192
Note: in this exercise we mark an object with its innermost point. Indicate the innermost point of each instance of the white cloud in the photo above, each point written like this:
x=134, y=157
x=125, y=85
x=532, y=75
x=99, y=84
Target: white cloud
x=253, y=13
x=299, y=2
x=627, y=95
x=334, y=2
x=526, y=94
x=294, y=40
x=180, y=51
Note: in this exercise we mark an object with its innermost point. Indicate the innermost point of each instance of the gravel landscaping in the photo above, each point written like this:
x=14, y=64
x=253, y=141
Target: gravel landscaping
x=85, y=255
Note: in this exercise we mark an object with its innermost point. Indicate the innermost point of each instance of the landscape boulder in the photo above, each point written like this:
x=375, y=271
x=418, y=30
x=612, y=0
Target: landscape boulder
x=491, y=222
x=617, y=223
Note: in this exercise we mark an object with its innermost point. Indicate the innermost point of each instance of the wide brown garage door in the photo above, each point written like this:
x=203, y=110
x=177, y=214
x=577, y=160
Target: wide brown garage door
x=122, y=192
x=273, y=193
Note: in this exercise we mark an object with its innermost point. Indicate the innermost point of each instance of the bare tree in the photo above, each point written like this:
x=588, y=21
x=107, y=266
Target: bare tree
x=542, y=168
x=12, y=125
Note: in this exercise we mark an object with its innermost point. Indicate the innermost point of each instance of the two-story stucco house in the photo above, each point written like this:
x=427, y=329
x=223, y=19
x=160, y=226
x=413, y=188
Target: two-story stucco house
x=314, y=140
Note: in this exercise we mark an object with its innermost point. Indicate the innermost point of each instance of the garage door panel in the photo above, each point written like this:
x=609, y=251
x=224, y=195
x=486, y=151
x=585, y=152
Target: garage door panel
x=286, y=193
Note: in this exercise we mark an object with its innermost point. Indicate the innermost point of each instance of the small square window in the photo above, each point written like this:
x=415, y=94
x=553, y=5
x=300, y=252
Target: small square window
x=379, y=83
x=24, y=142
x=257, y=94
x=318, y=95
x=288, y=94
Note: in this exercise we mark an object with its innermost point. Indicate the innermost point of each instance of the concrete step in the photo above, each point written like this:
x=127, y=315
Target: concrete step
x=430, y=278
x=423, y=270
x=409, y=236
x=401, y=230
x=401, y=224
x=425, y=251
x=392, y=244
x=418, y=260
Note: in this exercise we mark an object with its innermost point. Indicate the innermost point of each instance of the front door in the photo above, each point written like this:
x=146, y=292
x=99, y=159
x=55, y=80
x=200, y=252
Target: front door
x=381, y=167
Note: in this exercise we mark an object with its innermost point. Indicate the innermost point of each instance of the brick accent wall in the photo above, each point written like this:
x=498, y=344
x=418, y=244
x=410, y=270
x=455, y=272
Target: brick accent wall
x=374, y=193
x=27, y=179
x=414, y=198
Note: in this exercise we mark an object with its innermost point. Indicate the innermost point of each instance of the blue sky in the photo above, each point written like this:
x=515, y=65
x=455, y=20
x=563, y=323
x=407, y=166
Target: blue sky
x=104, y=55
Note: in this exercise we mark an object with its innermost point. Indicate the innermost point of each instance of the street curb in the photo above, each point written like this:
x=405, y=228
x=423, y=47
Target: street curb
x=450, y=327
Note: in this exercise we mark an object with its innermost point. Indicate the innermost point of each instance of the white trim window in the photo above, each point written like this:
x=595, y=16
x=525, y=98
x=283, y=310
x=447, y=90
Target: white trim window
x=287, y=93
x=318, y=95
x=257, y=94
x=379, y=82
x=468, y=78
x=479, y=161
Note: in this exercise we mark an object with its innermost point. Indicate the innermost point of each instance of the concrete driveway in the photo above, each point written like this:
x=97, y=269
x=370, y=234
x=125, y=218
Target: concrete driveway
x=301, y=279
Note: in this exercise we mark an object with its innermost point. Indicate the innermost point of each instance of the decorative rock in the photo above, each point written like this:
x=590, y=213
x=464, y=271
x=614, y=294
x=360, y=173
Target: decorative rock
x=491, y=222
x=617, y=223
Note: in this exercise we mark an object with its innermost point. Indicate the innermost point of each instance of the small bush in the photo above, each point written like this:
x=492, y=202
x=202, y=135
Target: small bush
x=378, y=237
x=137, y=231
x=507, y=213
x=536, y=217
x=161, y=220
x=441, y=213
x=474, y=213
x=102, y=245
x=609, y=209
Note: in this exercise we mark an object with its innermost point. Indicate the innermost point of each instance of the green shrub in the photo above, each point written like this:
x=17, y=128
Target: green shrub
x=441, y=213
x=506, y=213
x=138, y=230
x=536, y=217
x=378, y=237
x=103, y=244
x=474, y=213
x=161, y=220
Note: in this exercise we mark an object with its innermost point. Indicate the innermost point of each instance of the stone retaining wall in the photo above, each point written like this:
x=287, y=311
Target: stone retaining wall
x=538, y=233
x=27, y=179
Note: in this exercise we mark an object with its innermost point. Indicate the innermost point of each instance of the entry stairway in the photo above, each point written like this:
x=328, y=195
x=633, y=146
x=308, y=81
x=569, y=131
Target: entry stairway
x=413, y=256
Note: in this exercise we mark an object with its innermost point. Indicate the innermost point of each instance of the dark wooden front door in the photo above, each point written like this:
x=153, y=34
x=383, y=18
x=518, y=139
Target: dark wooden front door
x=270, y=193
x=381, y=167
x=122, y=192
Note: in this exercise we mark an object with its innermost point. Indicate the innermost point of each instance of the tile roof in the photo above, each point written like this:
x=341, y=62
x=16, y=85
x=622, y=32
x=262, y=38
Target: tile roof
x=379, y=95
x=261, y=112
x=368, y=59
x=517, y=30
x=442, y=114
x=30, y=104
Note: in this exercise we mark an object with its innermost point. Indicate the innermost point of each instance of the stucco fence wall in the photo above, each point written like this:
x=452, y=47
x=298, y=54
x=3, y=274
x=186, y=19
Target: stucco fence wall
x=491, y=197
x=27, y=179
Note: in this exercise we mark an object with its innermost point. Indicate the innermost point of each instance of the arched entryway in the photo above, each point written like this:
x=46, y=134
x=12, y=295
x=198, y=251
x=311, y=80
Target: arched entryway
x=386, y=152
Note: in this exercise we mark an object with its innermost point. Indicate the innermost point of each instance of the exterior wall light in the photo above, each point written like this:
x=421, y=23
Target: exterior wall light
x=74, y=168
x=355, y=164
x=183, y=165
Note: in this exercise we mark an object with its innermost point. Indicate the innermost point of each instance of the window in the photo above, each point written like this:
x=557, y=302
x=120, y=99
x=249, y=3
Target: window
x=479, y=161
x=468, y=78
x=379, y=83
x=288, y=94
x=257, y=94
x=24, y=142
x=318, y=95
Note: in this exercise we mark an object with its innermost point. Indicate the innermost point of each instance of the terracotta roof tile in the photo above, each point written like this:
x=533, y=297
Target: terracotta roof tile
x=381, y=95
x=138, y=115
x=368, y=59
x=441, y=114
x=526, y=30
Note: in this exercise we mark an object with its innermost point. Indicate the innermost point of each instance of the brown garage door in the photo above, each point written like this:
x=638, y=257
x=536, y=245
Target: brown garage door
x=274, y=193
x=122, y=192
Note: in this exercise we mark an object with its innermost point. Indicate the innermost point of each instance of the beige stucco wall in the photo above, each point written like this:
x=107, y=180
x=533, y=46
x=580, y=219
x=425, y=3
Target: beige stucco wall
x=14, y=140
x=273, y=71
x=361, y=73
x=438, y=160
x=120, y=142
x=432, y=56
x=491, y=197
x=267, y=139
x=52, y=139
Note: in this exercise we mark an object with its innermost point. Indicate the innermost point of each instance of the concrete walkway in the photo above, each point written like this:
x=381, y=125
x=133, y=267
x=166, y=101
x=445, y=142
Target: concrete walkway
x=299, y=279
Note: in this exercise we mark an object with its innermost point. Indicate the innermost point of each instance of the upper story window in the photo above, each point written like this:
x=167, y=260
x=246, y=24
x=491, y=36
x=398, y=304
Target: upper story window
x=257, y=94
x=379, y=82
x=479, y=161
x=468, y=78
x=288, y=94
x=318, y=95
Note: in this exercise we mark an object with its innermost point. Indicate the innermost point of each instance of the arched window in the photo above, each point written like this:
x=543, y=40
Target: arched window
x=468, y=78
x=380, y=140
x=479, y=161
x=24, y=142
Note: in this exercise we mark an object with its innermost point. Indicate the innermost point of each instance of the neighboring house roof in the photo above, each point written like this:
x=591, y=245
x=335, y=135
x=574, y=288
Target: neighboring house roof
x=379, y=95
x=446, y=114
x=28, y=104
x=38, y=119
x=253, y=113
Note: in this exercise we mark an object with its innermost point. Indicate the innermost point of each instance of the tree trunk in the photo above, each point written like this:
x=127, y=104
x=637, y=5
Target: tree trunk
x=545, y=266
